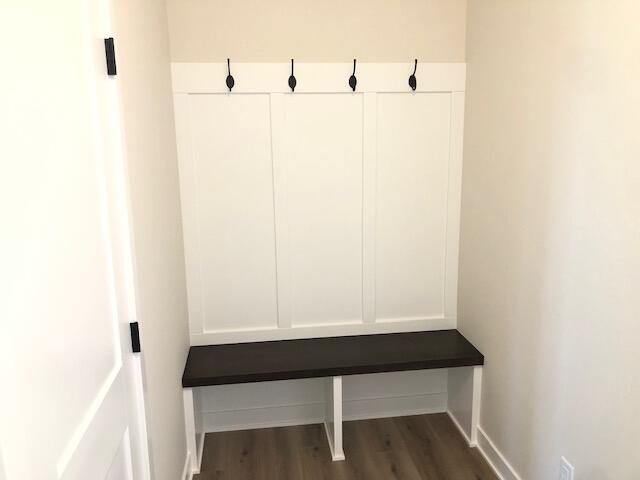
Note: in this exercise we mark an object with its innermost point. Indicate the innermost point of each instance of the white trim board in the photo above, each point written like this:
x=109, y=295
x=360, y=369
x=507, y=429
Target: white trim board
x=460, y=429
x=337, y=330
x=317, y=77
x=496, y=460
x=187, y=473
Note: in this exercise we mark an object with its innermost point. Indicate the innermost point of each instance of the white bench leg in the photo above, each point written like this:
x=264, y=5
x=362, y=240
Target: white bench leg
x=333, y=417
x=195, y=442
x=475, y=404
x=464, y=393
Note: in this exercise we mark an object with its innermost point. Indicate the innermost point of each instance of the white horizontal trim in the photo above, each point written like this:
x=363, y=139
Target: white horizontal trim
x=495, y=458
x=260, y=408
x=337, y=330
x=263, y=417
x=323, y=325
x=395, y=406
x=317, y=77
x=307, y=404
x=313, y=412
x=408, y=319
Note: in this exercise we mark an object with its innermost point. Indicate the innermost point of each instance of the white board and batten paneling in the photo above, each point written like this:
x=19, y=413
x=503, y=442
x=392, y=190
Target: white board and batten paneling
x=323, y=212
x=322, y=157
x=228, y=214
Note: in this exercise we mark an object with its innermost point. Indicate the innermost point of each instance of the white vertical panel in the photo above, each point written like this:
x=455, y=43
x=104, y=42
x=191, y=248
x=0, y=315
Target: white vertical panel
x=476, y=404
x=324, y=200
x=190, y=428
x=233, y=181
x=333, y=417
x=370, y=151
x=411, y=207
x=283, y=253
x=453, y=206
x=464, y=392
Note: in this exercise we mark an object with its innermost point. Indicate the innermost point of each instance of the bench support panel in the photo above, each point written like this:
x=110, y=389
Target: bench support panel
x=464, y=392
x=333, y=416
x=195, y=440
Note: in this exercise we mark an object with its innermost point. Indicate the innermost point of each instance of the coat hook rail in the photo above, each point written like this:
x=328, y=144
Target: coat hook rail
x=353, y=81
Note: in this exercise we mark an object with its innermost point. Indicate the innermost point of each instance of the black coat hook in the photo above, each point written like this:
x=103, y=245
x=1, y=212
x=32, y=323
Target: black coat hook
x=230, y=81
x=413, y=83
x=353, y=81
x=292, y=79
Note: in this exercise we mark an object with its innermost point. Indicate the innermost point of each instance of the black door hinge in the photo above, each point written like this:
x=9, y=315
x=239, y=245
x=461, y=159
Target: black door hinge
x=135, y=337
x=110, y=53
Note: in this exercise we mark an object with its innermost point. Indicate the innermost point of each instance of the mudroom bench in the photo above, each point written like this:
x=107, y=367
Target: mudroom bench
x=332, y=358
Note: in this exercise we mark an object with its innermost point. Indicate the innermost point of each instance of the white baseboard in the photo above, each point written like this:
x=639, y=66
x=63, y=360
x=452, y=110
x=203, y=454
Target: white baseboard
x=263, y=417
x=187, y=474
x=187, y=470
x=200, y=448
x=489, y=451
x=460, y=429
x=495, y=458
x=310, y=413
x=327, y=432
x=396, y=406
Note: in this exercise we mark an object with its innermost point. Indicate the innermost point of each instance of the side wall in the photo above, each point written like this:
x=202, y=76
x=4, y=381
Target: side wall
x=317, y=31
x=550, y=257
x=142, y=50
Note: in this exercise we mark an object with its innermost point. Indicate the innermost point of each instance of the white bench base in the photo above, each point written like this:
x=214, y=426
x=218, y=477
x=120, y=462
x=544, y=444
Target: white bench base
x=464, y=389
x=333, y=417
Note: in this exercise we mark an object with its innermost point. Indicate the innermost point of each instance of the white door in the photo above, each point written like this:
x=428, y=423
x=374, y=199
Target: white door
x=71, y=386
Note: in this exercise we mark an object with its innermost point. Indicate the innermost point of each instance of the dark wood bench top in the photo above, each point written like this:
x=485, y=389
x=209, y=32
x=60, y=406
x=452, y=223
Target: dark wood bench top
x=326, y=357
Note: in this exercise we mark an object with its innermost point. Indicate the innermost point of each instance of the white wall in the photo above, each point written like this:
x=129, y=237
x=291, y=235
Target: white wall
x=550, y=252
x=317, y=31
x=142, y=51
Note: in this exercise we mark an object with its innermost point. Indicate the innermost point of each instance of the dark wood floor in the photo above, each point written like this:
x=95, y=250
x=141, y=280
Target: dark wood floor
x=413, y=448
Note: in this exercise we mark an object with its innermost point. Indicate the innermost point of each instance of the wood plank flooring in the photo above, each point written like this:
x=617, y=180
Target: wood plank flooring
x=404, y=448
